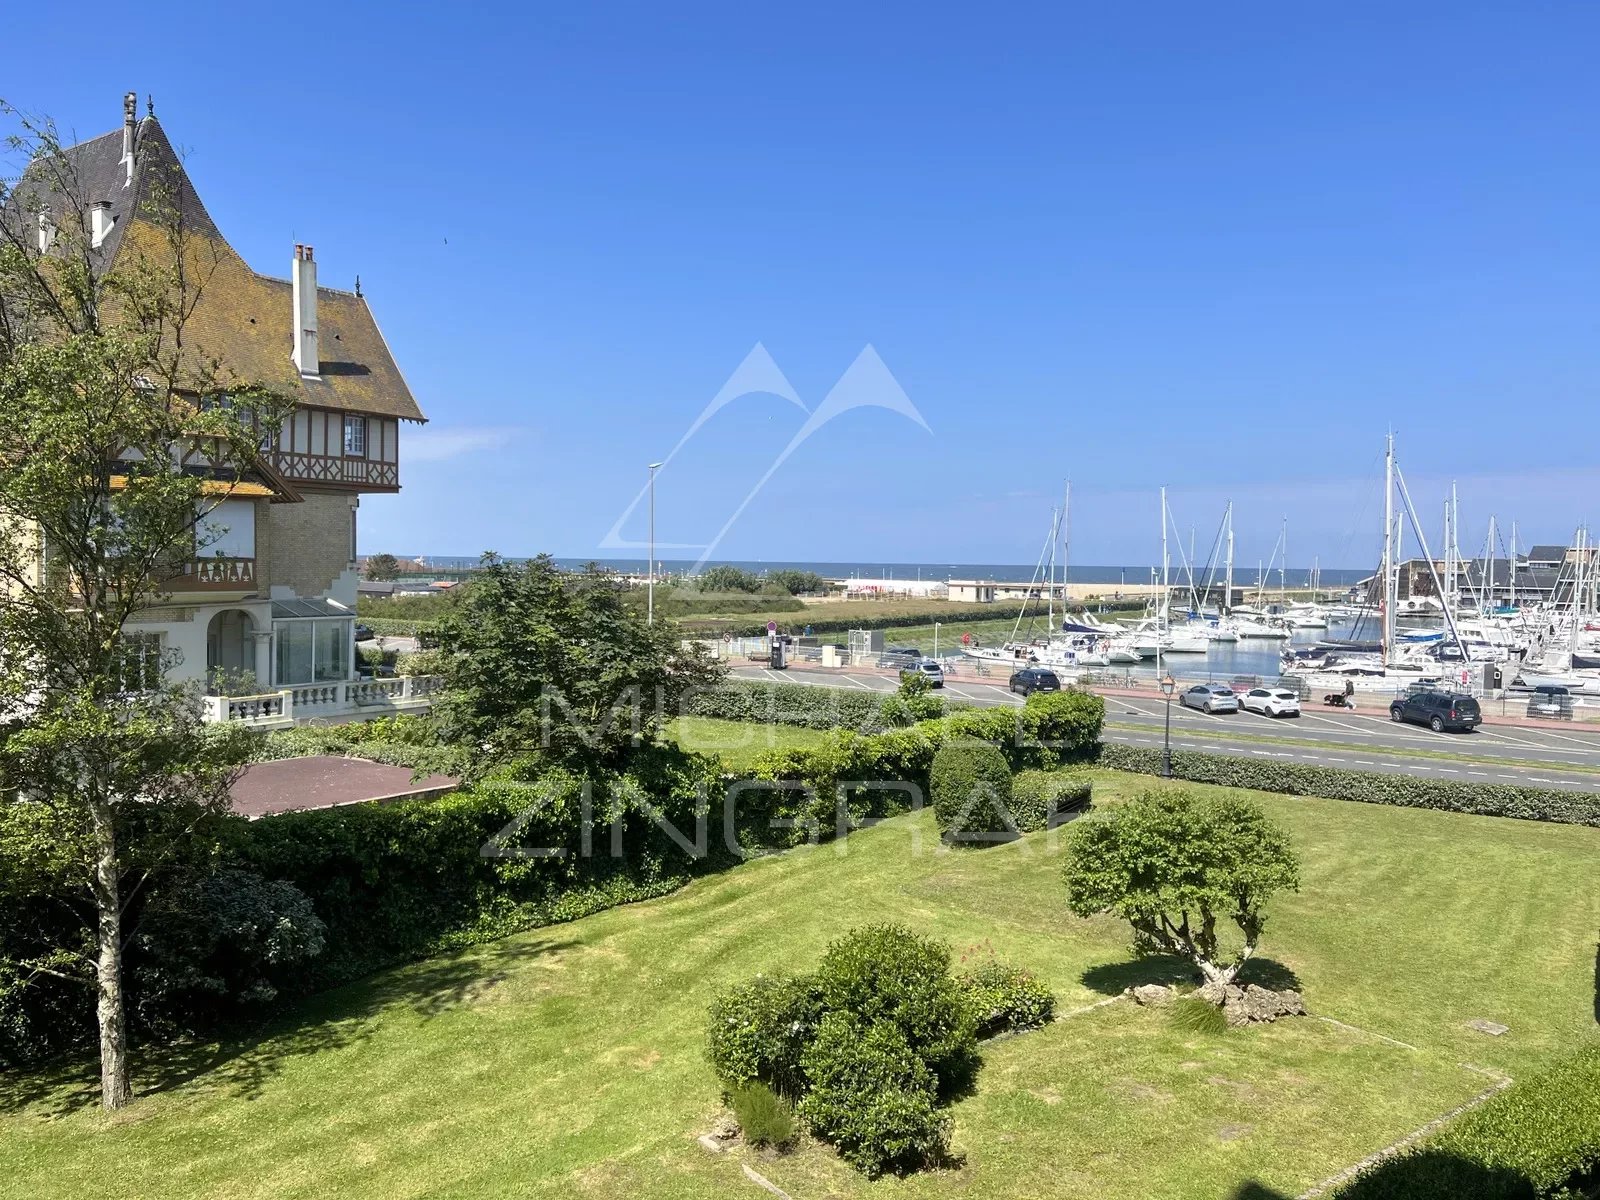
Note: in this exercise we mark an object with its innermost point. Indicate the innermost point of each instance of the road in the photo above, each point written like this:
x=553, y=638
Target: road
x=1567, y=758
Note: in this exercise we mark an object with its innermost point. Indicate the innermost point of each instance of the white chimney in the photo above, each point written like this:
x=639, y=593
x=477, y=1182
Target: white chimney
x=47, y=233
x=305, y=313
x=100, y=222
x=130, y=106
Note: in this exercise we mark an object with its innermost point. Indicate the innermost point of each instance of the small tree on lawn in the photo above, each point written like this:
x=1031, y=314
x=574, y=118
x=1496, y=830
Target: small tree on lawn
x=1176, y=865
x=559, y=665
x=382, y=567
x=104, y=766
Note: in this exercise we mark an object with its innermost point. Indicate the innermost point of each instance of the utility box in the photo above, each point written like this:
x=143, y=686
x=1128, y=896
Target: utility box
x=832, y=656
x=778, y=662
x=1493, y=679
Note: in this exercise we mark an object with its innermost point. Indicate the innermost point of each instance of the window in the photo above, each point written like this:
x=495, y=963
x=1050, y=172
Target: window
x=312, y=651
x=142, y=666
x=355, y=437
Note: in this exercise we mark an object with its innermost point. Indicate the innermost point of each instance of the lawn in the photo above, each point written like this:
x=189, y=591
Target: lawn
x=739, y=742
x=568, y=1061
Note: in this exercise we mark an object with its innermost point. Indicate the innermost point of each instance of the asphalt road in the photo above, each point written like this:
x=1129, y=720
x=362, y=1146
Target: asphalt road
x=1361, y=740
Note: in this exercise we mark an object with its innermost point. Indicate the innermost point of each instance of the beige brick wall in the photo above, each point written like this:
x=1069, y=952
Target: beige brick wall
x=304, y=546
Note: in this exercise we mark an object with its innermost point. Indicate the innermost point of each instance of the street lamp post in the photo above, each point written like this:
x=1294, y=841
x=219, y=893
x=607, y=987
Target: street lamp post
x=650, y=581
x=936, y=639
x=1168, y=686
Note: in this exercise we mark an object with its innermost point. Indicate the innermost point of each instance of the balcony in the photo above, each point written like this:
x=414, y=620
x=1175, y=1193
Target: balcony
x=363, y=473
x=215, y=576
x=337, y=700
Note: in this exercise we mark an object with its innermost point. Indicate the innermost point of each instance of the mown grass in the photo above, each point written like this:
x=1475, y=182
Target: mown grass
x=568, y=1062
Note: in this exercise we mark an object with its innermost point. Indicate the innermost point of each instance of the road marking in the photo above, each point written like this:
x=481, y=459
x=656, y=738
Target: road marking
x=852, y=680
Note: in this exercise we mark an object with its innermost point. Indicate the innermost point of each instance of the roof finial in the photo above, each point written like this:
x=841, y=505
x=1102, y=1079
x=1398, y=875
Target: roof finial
x=358, y=286
x=149, y=105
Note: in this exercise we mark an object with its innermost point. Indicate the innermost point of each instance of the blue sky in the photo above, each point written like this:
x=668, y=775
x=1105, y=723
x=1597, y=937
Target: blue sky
x=1217, y=247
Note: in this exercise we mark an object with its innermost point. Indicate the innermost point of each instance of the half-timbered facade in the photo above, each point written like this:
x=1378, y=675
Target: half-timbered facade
x=268, y=602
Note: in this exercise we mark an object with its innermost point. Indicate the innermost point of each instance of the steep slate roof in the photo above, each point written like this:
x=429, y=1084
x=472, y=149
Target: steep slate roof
x=242, y=319
x=1548, y=554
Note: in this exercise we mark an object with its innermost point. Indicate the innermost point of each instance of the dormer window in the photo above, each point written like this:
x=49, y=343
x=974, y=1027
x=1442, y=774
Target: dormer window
x=355, y=437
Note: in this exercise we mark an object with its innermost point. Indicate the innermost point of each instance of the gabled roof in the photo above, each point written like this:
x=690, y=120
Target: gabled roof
x=241, y=319
x=1548, y=554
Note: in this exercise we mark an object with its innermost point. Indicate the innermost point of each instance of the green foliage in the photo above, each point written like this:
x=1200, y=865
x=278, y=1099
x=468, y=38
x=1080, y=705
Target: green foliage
x=381, y=567
x=970, y=784
x=225, y=941
x=1002, y=997
x=726, y=578
x=1040, y=798
x=788, y=704
x=765, y=1118
x=887, y=973
x=872, y=1096
x=913, y=702
x=758, y=1031
x=1195, y=1014
x=556, y=665
x=686, y=600
x=1369, y=787
x=1539, y=1138
x=1173, y=864
x=797, y=582
x=420, y=662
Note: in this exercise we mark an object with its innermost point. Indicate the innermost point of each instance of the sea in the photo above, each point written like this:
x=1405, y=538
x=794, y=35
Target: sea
x=1294, y=577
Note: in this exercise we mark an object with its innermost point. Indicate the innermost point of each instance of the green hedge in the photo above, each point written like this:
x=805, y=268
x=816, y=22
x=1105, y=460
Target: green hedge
x=1369, y=787
x=1539, y=1138
x=970, y=784
x=790, y=704
x=1038, y=798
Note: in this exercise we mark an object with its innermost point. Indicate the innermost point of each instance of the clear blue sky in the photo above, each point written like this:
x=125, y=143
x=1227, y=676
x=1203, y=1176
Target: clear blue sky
x=1217, y=247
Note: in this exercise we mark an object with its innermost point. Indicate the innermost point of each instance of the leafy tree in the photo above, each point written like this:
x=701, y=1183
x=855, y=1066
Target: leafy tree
x=559, y=665
x=382, y=566
x=105, y=768
x=913, y=702
x=1174, y=865
x=796, y=582
x=726, y=578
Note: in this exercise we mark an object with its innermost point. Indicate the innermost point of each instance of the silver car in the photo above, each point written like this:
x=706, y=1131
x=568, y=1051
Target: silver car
x=1211, y=698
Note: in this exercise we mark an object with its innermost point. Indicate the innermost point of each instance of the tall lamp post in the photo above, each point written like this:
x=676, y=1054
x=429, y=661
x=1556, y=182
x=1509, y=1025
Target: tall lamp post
x=1168, y=686
x=936, y=639
x=650, y=582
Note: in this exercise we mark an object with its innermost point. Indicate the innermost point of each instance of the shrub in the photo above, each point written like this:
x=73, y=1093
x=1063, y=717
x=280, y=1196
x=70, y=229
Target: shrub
x=1195, y=1014
x=886, y=973
x=788, y=704
x=759, y=1030
x=1540, y=1137
x=764, y=1117
x=1040, y=798
x=971, y=788
x=1297, y=779
x=871, y=1095
x=1002, y=997
x=420, y=662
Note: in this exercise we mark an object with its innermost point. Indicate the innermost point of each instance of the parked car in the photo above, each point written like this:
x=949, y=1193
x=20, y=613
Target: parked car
x=1271, y=702
x=1211, y=698
x=928, y=669
x=363, y=634
x=1035, y=679
x=1550, y=700
x=1438, y=711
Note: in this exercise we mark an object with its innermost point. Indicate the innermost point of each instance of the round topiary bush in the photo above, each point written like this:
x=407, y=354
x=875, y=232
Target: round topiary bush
x=887, y=973
x=759, y=1030
x=872, y=1096
x=971, y=787
x=1038, y=796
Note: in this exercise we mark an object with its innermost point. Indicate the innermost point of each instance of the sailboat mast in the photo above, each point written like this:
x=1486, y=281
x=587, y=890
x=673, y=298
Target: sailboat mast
x=1227, y=585
x=1389, y=565
x=1161, y=613
x=1283, y=563
x=1488, y=569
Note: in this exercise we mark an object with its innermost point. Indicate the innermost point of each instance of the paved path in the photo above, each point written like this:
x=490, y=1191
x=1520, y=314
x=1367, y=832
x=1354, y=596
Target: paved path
x=1361, y=740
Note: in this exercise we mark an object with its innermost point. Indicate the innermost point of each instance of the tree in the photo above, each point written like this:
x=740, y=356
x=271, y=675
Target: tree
x=1175, y=863
x=796, y=582
x=104, y=766
x=559, y=665
x=382, y=566
x=726, y=578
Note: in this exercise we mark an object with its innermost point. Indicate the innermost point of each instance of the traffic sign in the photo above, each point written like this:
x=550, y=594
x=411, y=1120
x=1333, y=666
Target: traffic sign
x=772, y=627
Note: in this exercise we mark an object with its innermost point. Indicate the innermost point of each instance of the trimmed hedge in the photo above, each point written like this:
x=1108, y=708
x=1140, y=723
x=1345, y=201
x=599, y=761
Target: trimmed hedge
x=1369, y=787
x=790, y=704
x=1003, y=998
x=1539, y=1138
x=1040, y=798
x=970, y=783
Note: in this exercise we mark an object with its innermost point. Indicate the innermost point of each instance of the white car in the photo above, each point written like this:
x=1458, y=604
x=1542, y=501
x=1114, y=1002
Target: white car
x=1271, y=702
